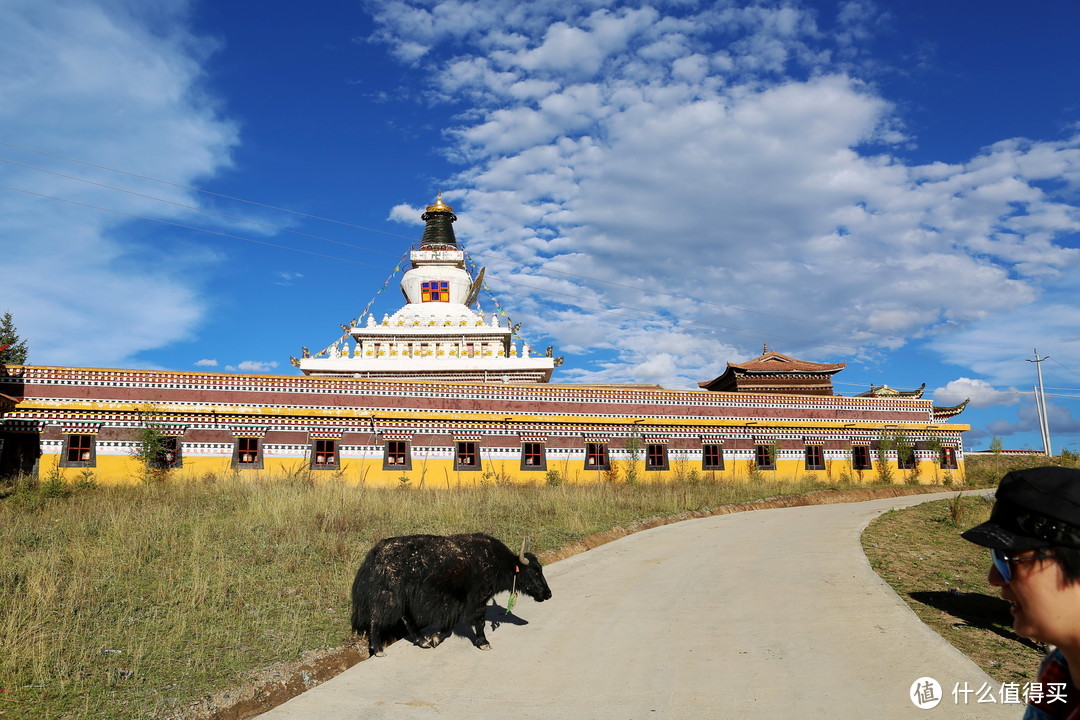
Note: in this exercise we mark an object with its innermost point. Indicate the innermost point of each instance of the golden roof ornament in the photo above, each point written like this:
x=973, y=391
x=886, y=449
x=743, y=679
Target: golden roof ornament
x=439, y=206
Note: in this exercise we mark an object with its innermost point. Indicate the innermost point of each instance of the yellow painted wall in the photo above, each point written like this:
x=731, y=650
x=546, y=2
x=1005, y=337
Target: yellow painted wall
x=440, y=472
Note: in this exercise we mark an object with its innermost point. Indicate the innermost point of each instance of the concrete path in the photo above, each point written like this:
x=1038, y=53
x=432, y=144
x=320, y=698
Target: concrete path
x=762, y=614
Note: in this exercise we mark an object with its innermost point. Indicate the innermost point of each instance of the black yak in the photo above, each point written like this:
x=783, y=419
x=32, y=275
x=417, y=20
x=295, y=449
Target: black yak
x=415, y=582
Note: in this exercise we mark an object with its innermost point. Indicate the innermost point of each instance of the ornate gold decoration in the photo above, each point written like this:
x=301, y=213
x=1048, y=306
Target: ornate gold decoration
x=439, y=206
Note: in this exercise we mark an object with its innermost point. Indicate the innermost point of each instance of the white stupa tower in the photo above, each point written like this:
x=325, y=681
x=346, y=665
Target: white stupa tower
x=435, y=336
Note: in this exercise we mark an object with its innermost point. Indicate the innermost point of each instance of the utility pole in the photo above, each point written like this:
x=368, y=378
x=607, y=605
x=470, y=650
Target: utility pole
x=1040, y=405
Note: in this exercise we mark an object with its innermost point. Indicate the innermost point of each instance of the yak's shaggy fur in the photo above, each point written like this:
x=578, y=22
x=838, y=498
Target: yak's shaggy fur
x=408, y=584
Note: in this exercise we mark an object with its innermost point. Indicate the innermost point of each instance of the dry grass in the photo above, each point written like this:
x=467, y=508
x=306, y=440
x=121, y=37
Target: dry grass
x=920, y=553
x=125, y=602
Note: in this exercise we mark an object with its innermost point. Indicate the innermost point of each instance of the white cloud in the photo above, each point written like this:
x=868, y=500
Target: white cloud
x=287, y=278
x=254, y=366
x=61, y=59
x=722, y=157
x=206, y=362
x=979, y=392
x=406, y=214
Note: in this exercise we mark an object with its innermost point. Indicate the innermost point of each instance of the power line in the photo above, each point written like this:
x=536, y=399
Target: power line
x=197, y=208
x=200, y=190
x=188, y=227
x=542, y=270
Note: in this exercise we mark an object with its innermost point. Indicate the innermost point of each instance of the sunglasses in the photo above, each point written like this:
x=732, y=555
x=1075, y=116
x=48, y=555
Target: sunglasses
x=1004, y=562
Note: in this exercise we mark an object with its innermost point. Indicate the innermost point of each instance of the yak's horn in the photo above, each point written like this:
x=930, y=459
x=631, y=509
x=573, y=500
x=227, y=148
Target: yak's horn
x=521, y=555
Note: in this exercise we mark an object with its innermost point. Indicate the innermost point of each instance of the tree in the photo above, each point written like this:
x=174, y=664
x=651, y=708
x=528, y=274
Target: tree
x=13, y=350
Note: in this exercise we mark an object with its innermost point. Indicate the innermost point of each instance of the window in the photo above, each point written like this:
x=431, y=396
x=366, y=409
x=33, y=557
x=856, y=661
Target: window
x=533, y=456
x=860, y=457
x=168, y=454
x=815, y=457
x=248, y=453
x=712, y=457
x=467, y=456
x=596, y=456
x=763, y=457
x=948, y=458
x=79, y=451
x=905, y=458
x=435, y=291
x=324, y=455
x=656, y=456
x=396, y=455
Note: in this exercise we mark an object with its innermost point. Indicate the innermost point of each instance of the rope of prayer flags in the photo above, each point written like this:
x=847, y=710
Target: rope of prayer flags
x=495, y=300
x=367, y=308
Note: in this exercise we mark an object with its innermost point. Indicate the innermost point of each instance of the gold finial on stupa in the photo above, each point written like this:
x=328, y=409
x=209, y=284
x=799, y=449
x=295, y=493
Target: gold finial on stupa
x=439, y=206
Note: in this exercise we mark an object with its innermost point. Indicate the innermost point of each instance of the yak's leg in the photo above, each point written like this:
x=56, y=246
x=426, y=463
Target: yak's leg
x=477, y=623
x=375, y=642
x=384, y=622
x=436, y=638
x=411, y=628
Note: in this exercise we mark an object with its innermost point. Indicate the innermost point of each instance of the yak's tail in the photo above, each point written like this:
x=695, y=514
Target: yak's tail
x=361, y=597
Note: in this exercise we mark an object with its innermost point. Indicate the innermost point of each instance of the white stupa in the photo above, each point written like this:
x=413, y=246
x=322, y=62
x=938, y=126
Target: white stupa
x=435, y=336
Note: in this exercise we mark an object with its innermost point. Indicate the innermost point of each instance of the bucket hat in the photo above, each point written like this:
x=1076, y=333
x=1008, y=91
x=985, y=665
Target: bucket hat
x=1033, y=508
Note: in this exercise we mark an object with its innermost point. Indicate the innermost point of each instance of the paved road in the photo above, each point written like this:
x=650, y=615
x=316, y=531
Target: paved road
x=763, y=614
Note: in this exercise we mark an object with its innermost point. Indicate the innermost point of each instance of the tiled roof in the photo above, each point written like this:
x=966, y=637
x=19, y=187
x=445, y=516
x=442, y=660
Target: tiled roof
x=777, y=362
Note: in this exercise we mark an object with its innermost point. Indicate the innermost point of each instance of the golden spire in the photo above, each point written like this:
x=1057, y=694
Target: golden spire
x=439, y=206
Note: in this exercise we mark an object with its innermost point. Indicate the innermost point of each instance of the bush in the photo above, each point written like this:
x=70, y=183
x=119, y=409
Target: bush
x=554, y=478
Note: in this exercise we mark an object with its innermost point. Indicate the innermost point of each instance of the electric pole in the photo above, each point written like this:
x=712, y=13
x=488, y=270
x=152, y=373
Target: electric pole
x=1040, y=404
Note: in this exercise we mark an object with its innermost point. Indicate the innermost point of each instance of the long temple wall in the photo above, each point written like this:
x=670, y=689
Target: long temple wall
x=216, y=417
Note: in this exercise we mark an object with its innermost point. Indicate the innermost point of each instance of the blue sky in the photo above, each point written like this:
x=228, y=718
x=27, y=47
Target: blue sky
x=655, y=189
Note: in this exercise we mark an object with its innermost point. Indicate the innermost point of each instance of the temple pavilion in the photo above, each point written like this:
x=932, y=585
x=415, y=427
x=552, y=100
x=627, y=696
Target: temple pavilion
x=776, y=373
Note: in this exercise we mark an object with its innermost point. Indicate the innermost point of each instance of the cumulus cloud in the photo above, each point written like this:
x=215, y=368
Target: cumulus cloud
x=206, y=362
x=404, y=213
x=728, y=172
x=979, y=392
x=61, y=59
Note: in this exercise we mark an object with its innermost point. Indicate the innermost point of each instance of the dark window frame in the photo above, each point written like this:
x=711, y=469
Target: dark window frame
x=597, y=456
x=85, y=450
x=466, y=455
x=656, y=456
x=861, y=457
x=242, y=446
x=712, y=456
x=169, y=444
x=394, y=449
x=906, y=460
x=814, y=456
x=948, y=458
x=763, y=459
x=534, y=451
x=317, y=452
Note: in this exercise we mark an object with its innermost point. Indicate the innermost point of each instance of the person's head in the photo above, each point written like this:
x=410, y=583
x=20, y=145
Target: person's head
x=1034, y=538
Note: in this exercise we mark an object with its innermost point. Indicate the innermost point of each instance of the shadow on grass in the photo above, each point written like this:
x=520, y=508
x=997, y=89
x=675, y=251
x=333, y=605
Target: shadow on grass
x=978, y=610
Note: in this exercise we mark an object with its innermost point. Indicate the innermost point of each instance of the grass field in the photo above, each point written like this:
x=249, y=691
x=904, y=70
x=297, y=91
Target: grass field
x=130, y=602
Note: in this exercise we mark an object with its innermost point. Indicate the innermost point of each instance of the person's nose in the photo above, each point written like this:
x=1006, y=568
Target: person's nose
x=994, y=577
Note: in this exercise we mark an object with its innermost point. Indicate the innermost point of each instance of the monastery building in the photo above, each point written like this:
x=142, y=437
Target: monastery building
x=439, y=394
